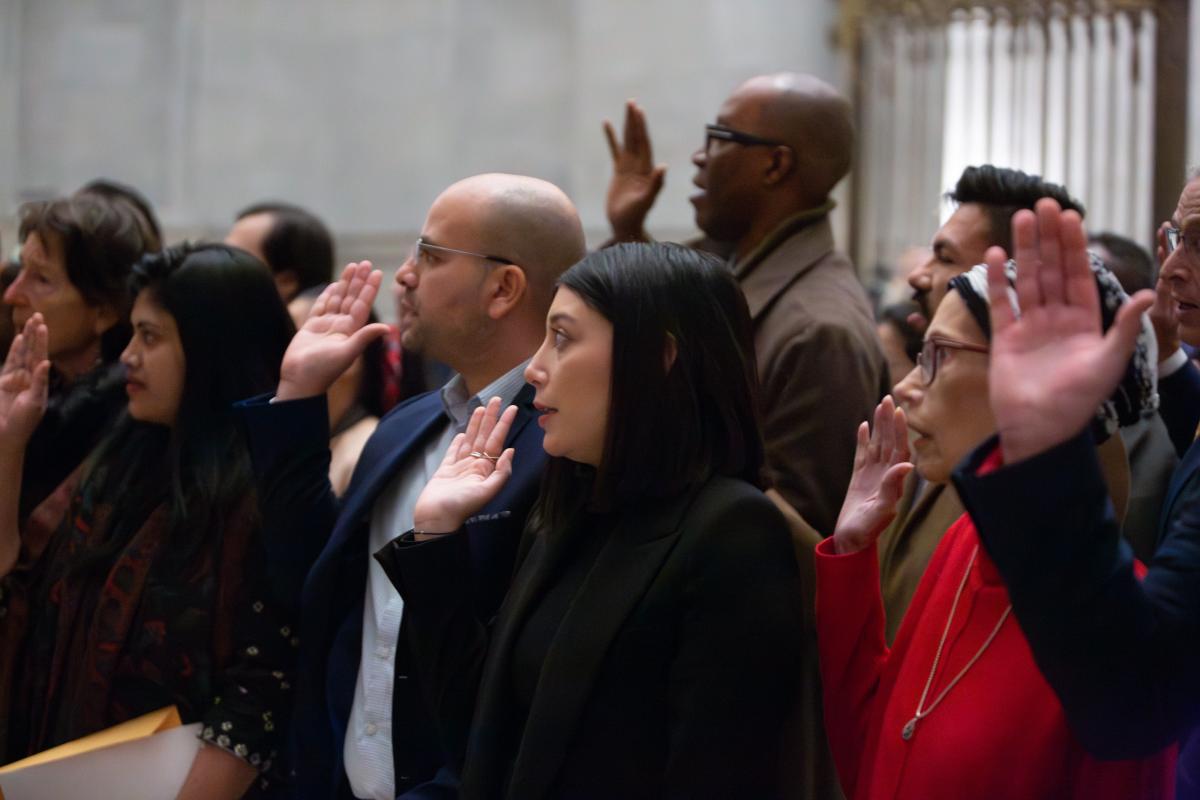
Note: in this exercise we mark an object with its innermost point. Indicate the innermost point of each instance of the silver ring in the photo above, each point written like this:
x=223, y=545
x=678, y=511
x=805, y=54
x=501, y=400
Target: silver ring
x=478, y=454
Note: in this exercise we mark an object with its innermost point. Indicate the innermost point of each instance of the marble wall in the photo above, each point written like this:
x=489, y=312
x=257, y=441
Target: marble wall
x=364, y=110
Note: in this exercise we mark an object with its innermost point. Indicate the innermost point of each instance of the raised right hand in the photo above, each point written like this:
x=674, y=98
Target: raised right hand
x=335, y=333
x=24, y=384
x=636, y=181
x=465, y=483
x=880, y=466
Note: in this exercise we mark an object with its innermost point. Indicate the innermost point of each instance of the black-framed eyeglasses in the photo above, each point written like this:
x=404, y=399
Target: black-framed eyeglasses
x=725, y=134
x=1190, y=241
x=931, y=354
x=421, y=246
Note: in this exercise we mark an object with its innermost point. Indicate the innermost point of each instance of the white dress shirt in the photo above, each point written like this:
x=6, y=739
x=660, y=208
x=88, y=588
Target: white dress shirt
x=367, y=751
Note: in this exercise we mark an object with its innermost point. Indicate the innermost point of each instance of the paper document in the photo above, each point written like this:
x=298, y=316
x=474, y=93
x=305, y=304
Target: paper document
x=146, y=758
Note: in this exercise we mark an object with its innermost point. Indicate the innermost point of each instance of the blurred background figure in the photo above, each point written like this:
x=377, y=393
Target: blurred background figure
x=901, y=342
x=294, y=243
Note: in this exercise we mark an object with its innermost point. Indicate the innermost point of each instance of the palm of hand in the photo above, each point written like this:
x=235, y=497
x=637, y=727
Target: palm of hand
x=24, y=384
x=880, y=466
x=1051, y=369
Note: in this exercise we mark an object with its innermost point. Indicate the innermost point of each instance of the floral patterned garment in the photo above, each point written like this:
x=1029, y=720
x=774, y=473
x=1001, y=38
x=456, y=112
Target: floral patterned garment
x=79, y=653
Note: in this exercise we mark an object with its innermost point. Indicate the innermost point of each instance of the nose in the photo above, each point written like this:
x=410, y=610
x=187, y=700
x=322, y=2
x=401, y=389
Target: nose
x=700, y=156
x=14, y=295
x=535, y=371
x=1174, y=268
x=129, y=357
x=921, y=278
x=406, y=274
x=908, y=391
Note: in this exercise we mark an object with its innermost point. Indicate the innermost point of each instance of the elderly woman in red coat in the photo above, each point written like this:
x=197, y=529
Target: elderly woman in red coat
x=956, y=708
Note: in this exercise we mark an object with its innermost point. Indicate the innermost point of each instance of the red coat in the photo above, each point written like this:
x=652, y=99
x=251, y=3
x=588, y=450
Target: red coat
x=999, y=733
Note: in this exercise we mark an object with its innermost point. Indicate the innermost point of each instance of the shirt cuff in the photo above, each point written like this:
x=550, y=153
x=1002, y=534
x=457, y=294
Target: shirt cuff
x=1172, y=364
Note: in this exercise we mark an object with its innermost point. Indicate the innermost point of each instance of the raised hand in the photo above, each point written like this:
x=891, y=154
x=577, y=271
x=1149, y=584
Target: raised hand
x=335, y=333
x=880, y=467
x=636, y=181
x=1162, y=314
x=471, y=474
x=1050, y=370
x=24, y=385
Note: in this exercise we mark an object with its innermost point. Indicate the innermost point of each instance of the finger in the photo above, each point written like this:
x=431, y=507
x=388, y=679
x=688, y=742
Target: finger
x=1081, y=290
x=1000, y=310
x=41, y=382
x=900, y=435
x=39, y=350
x=862, y=442
x=659, y=177
x=452, y=452
x=1025, y=247
x=362, y=337
x=881, y=437
x=1052, y=275
x=892, y=485
x=15, y=354
x=468, y=443
x=500, y=475
x=337, y=291
x=322, y=302
x=357, y=280
x=499, y=434
x=1122, y=336
x=642, y=148
x=361, y=304
x=489, y=422
x=614, y=148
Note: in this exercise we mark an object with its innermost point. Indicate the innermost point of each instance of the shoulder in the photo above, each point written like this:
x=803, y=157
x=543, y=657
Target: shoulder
x=728, y=514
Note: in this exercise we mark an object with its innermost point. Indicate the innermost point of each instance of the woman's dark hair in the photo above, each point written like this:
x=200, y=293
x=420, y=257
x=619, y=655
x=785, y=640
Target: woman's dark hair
x=670, y=426
x=234, y=329
x=101, y=239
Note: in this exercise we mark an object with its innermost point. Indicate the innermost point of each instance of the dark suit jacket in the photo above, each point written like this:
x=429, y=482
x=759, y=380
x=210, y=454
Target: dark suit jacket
x=1180, y=405
x=1123, y=655
x=289, y=445
x=669, y=676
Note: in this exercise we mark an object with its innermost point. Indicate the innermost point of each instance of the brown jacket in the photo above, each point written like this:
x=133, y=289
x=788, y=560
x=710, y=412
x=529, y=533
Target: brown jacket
x=819, y=361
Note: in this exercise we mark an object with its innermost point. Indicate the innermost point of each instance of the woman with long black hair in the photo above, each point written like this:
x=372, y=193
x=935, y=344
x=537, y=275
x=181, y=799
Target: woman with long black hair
x=649, y=643
x=143, y=580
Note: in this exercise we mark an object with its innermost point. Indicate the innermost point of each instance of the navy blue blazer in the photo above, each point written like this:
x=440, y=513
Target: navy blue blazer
x=1122, y=655
x=1180, y=406
x=289, y=447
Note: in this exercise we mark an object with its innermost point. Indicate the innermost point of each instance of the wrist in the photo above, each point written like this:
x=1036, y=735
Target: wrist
x=289, y=390
x=436, y=526
x=845, y=544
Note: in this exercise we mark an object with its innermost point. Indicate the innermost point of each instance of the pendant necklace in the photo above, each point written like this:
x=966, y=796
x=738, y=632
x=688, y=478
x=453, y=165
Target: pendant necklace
x=910, y=727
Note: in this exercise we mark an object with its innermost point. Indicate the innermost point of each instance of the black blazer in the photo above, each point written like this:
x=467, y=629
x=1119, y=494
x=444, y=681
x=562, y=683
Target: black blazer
x=327, y=566
x=671, y=672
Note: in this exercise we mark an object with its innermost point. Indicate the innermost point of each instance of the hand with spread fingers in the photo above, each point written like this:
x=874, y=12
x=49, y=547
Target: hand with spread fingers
x=475, y=468
x=1162, y=314
x=881, y=463
x=636, y=180
x=335, y=333
x=24, y=384
x=1051, y=369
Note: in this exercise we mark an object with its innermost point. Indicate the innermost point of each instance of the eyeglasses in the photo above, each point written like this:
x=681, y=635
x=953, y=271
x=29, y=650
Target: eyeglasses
x=724, y=134
x=1190, y=241
x=931, y=354
x=422, y=248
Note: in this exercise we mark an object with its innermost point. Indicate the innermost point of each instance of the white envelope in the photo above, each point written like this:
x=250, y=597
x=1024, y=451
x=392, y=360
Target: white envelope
x=149, y=768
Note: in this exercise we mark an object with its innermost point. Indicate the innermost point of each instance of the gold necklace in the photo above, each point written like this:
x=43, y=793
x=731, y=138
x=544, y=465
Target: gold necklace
x=910, y=727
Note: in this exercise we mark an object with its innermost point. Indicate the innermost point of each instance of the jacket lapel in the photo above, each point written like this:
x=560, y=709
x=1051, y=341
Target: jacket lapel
x=767, y=274
x=630, y=560
x=1184, y=473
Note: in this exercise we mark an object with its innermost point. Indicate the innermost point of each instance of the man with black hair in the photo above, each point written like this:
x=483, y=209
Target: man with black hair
x=293, y=242
x=985, y=197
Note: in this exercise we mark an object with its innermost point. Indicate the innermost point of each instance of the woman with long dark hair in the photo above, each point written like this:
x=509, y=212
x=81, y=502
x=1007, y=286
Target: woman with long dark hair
x=648, y=645
x=142, y=581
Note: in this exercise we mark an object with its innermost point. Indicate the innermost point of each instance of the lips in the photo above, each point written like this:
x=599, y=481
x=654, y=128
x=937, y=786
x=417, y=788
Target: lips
x=132, y=387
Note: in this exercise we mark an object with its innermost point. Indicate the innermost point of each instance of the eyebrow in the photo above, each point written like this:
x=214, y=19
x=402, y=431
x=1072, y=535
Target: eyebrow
x=559, y=316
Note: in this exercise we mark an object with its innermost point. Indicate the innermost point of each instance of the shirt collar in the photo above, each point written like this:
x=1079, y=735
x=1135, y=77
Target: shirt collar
x=458, y=405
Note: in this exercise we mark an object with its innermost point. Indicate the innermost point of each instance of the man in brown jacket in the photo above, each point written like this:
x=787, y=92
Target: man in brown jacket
x=779, y=145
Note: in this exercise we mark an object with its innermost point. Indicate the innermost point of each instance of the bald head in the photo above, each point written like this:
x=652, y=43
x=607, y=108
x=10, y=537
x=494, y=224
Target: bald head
x=809, y=115
x=528, y=221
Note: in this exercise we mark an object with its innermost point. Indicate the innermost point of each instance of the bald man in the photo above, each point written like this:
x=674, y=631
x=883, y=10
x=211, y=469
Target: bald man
x=778, y=147
x=474, y=293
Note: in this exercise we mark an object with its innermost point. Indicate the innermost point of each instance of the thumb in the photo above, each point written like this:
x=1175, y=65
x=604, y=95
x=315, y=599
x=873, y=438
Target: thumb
x=892, y=485
x=367, y=334
x=658, y=177
x=1128, y=324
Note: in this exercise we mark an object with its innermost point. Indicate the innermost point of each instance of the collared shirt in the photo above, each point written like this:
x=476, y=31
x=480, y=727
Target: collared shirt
x=367, y=751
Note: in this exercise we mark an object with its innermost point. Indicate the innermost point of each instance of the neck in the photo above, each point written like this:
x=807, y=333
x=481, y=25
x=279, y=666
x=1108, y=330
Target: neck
x=494, y=358
x=764, y=224
x=78, y=362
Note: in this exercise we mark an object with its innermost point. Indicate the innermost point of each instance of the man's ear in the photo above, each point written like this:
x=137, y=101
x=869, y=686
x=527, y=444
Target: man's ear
x=106, y=317
x=287, y=284
x=506, y=288
x=670, y=352
x=783, y=162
